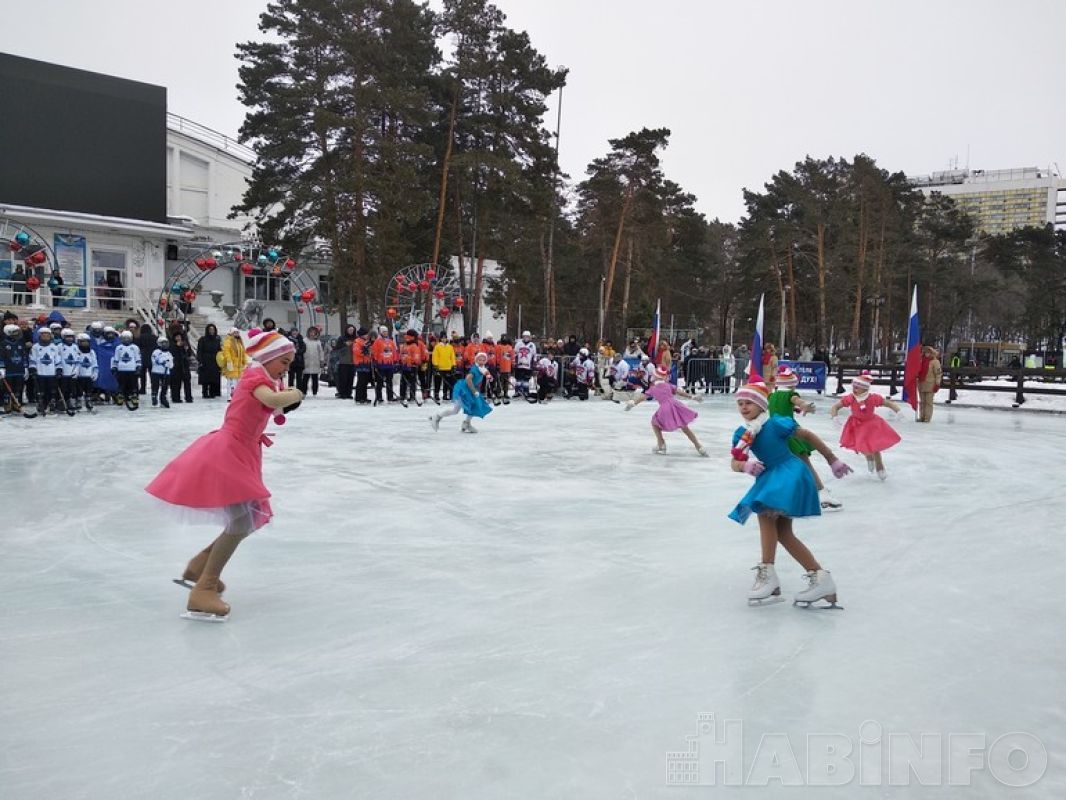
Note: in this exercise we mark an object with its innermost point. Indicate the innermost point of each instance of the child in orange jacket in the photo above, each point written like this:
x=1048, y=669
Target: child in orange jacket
x=505, y=363
x=412, y=357
x=385, y=357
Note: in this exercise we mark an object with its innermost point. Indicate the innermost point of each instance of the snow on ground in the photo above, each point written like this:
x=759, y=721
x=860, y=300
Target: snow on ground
x=541, y=610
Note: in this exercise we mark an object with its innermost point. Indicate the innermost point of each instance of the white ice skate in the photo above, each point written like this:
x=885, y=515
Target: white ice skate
x=767, y=588
x=882, y=475
x=703, y=452
x=467, y=427
x=829, y=503
x=435, y=422
x=820, y=586
x=659, y=450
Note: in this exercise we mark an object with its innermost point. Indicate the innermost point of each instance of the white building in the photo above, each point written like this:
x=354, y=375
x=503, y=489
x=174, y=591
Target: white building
x=1002, y=200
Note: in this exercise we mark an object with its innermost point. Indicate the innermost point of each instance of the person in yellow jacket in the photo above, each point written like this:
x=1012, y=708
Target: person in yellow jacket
x=232, y=360
x=443, y=358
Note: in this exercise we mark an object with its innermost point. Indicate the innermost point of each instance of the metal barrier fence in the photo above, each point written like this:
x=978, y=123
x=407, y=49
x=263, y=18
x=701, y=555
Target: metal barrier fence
x=71, y=296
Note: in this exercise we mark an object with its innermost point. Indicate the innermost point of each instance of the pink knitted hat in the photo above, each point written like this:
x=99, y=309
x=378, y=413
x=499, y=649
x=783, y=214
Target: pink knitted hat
x=786, y=378
x=268, y=345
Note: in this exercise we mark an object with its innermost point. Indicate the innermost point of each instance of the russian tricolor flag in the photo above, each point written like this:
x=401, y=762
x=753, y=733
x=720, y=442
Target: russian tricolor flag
x=755, y=362
x=653, y=342
x=914, y=356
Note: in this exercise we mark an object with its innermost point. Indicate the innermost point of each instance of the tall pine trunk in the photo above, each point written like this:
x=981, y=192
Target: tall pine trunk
x=608, y=288
x=821, y=284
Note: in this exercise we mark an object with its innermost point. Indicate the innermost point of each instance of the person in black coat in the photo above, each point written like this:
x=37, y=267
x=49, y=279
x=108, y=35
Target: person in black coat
x=146, y=342
x=181, y=375
x=296, y=368
x=208, y=372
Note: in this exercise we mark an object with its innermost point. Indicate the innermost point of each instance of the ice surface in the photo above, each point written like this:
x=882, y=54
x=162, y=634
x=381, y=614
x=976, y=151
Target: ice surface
x=541, y=610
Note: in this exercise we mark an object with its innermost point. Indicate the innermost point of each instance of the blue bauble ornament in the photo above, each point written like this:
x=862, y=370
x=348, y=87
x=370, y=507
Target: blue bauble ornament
x=263, y=259
x=22, y=238
x=273, y=255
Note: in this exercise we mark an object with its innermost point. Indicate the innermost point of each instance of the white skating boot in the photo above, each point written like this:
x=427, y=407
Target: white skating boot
x=829, y=503
x=871, y=465
x=467, y=427
x=659, y=450
x=820, y=586
x=435, y=422
x=882, y=474
x=703, y=452
x=767, y=588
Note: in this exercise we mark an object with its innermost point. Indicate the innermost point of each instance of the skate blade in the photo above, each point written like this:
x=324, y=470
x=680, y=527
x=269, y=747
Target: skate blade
x=203, y=616
x=829, y=605
x=831, y=508
x=184, y=583
x=766, y=601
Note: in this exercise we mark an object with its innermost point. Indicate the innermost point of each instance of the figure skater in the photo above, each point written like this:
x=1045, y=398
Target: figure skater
x=221, y=473
x=466, y=396
x=865, y=432
x=671, y=414
x=783, y=491
x=785, y=402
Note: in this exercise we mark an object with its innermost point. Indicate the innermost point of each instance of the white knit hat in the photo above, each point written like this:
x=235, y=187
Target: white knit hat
x=862, y=381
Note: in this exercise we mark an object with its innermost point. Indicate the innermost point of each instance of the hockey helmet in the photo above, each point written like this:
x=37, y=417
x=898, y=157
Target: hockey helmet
x=12, y=330
x=163, y=341
x=44, y=332
x=126, y=336
x=67, y=332
x=97, y=326
x=83, y=337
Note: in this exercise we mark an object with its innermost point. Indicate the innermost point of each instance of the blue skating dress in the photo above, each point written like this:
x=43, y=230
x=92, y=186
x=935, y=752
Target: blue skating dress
x=786, y=485
x=472, y=406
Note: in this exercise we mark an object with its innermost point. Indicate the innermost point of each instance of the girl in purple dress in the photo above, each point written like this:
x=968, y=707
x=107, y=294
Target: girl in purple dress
x=671, y=414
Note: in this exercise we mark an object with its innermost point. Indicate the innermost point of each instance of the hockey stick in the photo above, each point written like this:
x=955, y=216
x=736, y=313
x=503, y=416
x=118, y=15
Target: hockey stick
x=66, y=406
x=15, y=403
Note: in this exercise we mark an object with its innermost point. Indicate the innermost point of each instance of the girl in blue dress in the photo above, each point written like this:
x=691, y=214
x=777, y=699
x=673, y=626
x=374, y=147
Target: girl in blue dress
x=467, y=396
x=783, y=490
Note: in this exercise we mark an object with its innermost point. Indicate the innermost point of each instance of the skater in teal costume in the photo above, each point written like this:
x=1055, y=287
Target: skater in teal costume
x=467, y=396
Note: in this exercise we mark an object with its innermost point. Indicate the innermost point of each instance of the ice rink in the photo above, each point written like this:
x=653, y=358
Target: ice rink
x=543, y=610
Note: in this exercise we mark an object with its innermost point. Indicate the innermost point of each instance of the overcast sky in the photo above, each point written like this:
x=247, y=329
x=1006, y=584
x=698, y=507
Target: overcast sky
x=747, y=87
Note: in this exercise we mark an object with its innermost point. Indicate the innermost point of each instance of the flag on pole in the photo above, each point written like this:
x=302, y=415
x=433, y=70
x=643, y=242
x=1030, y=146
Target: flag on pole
x=755, y=362
x=653, y=342
x=914, y=356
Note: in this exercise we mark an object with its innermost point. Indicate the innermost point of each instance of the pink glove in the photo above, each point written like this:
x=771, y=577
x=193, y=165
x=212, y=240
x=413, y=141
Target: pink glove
x=840, y=469
x=753, y=467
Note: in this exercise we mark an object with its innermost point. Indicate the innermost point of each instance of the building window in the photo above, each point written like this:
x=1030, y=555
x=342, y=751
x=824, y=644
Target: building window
x=266, y=287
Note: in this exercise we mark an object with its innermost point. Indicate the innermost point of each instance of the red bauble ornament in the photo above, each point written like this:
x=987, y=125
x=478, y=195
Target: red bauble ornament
x=459, y=302
x=40, y=257
x=189, y=296
x=307, y=295
x=439, y=294
x=431, y=274
x=424, y=286
x=390, y=312
x=444, y=312
x=33, y=283
x=300, y=309
x=289, y=263
x=15, y=246
x=412, y=287
x=201, y=263
x=210, y=263
x=318, y=309
x=247, y=268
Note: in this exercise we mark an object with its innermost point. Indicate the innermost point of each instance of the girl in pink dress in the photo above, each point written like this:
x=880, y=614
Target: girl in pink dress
x=671, y=414
x=221, y=474
x=865, y=432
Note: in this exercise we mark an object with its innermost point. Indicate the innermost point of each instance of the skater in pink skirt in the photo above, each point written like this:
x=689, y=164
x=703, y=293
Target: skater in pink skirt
x=671, y=415
x=865, y=432
x=221, y=474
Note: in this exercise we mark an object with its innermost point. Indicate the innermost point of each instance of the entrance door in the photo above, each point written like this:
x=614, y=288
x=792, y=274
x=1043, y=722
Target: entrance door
x=109, y=279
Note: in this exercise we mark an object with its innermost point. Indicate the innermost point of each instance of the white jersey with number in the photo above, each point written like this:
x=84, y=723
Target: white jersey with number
x=525, y=354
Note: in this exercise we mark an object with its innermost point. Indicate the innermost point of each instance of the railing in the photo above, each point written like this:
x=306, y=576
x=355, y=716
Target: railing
x=211, y=137
x=968, y=379
x=72, y=296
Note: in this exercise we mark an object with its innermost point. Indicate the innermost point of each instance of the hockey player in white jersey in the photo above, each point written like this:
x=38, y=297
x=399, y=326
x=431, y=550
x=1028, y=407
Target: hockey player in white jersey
x=44, y=367
x=617, y=388
x=162, y=364
x=86, y=371
x=68, y=366
x=584, y=374
x=525, y=357
x=547, y=380
x=126, y=366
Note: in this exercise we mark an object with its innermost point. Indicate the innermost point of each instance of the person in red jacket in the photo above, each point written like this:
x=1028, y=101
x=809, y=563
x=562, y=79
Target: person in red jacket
x=412, y=357
x=384, y=356
x=505, y=362
x=361, y=362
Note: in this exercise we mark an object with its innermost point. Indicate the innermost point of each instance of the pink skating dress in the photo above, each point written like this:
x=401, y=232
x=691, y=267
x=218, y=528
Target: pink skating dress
x=220, y=475
x=672, y=414
x=865, y=432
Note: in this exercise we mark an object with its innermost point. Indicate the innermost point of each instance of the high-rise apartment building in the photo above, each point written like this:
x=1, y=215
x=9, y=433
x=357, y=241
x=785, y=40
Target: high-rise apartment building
x=1001, y=200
